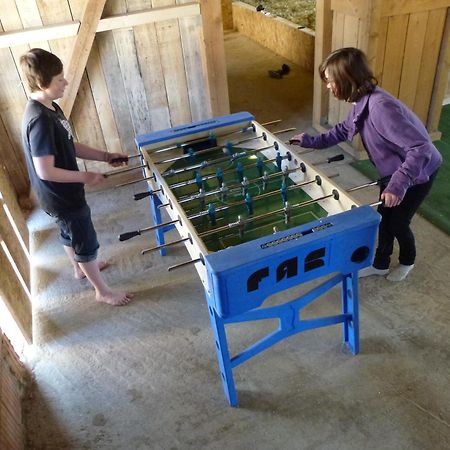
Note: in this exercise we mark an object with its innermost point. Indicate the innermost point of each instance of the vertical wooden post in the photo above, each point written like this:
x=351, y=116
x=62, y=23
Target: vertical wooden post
x=321, y=50
x=440, y=81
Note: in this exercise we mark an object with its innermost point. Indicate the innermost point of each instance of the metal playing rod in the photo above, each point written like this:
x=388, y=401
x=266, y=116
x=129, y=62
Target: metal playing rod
x=131, y=234
x=159, y=247
x=236, y=185
x=129, y=169
x=178, y=266
x=317, y=180
x=243, y=222
x=135, y=181
x=214, y=162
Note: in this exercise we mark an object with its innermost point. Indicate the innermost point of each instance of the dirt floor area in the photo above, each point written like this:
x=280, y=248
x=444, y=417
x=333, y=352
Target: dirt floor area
x=301, y=12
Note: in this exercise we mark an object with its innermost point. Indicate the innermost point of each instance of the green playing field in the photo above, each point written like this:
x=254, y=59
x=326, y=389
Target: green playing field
x=266, y=198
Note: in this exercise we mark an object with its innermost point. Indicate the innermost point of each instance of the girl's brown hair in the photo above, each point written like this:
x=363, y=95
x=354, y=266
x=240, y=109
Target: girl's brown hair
x=349, y=71
x=39, y=67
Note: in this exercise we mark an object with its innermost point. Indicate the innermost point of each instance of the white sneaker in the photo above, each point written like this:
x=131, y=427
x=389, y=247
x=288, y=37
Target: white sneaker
x=400, y=272
x=369, y=271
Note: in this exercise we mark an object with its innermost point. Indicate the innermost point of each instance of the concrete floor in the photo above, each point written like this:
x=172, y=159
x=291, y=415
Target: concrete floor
x=145, y=376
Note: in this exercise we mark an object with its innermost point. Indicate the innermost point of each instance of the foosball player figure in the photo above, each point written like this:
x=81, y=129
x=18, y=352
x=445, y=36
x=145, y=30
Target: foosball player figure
x=219, y=176
x=199, y=180
x=265, y=180
x=260, y=166
x=228, y=148
x=287, y=213
x=285, y=173
x=191, y=153
x=284, y=192
x=201, y=197
x=223, y=192
x=249, y=203
x=244, y=184
x=240, y=172
x=278, y=160
x=212, y=214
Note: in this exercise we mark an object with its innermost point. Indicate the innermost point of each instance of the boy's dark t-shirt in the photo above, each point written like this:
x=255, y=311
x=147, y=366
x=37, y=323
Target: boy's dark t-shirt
x=46, y=132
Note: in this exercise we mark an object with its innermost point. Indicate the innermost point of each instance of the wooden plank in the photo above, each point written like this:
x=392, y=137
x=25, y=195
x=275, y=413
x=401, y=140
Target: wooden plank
x=215, y=56
x=80, y=52
x=380, y=50
x=30, y=17
x=393, y=59
x=56, y=12
x=36, y=34
x=150, y=16
x=114, y=82
x=227, y=15
x=440, y=82
x=132, y=80
x=14, y=296
x=195, y=66
x=101, y=98
x=354, y=8
x=169, y=43
x=8, y=194
x=401, y=7
x=12, y=105
x=322, y=48
x=152, y=76
x=412, y=58
x=18, y=252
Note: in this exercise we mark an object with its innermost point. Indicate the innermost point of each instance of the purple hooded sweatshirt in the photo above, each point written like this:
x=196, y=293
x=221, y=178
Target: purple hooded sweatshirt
x=394, y=137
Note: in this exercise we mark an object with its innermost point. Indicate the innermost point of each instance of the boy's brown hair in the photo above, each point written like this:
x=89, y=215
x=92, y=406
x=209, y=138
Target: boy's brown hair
x=350, y=72
x=39, y=67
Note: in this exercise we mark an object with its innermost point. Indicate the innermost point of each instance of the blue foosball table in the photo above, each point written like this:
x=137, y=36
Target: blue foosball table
x=256, y=220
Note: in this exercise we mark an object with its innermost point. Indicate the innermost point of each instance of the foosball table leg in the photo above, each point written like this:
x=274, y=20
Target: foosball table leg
x=223, y=356
x=350, y=305
x=157, y=219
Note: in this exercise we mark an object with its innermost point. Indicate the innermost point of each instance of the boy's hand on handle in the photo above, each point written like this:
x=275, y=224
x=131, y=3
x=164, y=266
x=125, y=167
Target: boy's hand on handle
x=116, y=159
x=297, y=139
x=390, y=200
x=93, y=178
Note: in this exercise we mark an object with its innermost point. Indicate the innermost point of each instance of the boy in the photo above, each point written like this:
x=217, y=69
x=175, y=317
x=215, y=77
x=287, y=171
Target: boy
x=50, y=154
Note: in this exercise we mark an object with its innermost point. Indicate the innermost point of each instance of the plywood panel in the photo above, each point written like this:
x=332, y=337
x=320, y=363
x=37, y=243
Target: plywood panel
x=393, y=59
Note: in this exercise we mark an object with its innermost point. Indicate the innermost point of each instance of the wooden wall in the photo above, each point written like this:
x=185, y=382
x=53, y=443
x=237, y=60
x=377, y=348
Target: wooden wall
x=12, y=385
x=277, y=34
x=153, y=64
x=407, y=47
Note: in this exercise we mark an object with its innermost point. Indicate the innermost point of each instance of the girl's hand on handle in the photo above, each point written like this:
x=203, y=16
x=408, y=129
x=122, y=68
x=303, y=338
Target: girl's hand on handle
x=297, y=139
x=390, y=200
x=116, y=159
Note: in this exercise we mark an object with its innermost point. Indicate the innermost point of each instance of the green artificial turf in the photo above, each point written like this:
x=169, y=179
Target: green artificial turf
x=436, y=207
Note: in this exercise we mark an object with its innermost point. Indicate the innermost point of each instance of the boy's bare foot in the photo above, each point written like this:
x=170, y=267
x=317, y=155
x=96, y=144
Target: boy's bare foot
x=115, y=298
x=79, y=274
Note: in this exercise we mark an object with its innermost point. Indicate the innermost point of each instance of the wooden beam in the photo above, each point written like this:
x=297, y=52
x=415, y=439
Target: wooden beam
x=36, y=34
x=81, y=50
x=322, y=49
x=70, y=29
x=441, y=78
x=150, y=16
